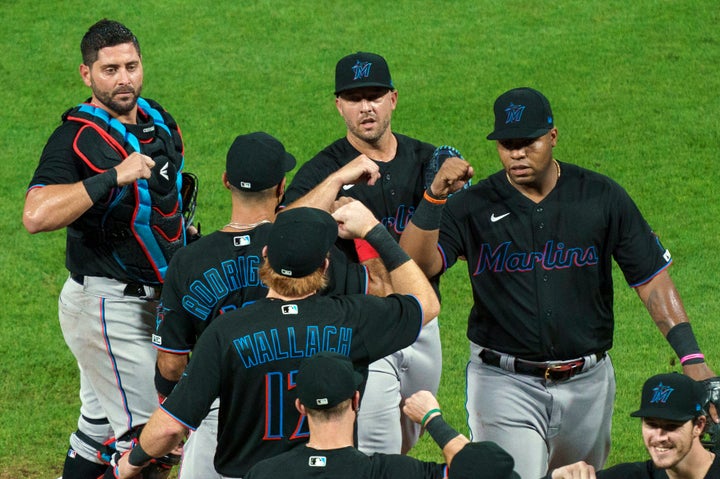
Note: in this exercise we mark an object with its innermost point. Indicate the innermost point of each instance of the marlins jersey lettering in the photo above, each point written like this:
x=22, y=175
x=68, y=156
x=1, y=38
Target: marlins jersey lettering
x=249, y=357
x=567, y=241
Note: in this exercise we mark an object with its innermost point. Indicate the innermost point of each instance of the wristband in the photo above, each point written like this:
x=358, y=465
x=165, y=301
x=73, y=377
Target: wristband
x=683, y=341
x=390, y=252
x=428, y=195
x=100, y=185
x=441, y=432
x=428, y=213
x=138, y=457
x=163, y=385
x=425, y=417
x=364, y=250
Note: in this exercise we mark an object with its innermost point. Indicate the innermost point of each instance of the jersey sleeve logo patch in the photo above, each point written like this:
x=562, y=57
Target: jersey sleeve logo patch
x=156, y=339
x=317, y=461
x=289, y=309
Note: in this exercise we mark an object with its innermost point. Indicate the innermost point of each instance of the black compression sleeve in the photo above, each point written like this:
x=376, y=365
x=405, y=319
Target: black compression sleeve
x=441, y=432
x=390, y=252
x=100, y=185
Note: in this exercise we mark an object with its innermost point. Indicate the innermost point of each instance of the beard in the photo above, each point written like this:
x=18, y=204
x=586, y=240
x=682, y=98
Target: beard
x=119, y=107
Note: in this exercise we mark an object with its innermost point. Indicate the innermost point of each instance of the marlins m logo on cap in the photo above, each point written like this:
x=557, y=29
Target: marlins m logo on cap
x=661, y=394
x=514, y=113
x=361, y=69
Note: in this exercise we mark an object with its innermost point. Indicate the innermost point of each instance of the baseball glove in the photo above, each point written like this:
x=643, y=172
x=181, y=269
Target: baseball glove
x=439, y=156
x=711, y=437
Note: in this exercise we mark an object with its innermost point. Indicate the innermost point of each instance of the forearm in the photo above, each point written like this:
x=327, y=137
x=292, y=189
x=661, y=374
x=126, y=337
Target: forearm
x=322, y=196
x=52, y=207
x=406, y=277
x=161, y=434
x=170, y=365
x=421, y=245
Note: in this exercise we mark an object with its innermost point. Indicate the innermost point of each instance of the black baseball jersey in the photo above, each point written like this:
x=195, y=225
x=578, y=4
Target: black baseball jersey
x=647, y=470
x=306, y=463
x=392, y=199
x=130, y=234
x=541, y=273
x=219, y=273
x=249, y=357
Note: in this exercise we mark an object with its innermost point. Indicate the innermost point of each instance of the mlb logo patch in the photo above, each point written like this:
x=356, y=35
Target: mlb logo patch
x=245, y=184
x=241, y=240
x=317, y=461
x=289, y=309
x=157, y=339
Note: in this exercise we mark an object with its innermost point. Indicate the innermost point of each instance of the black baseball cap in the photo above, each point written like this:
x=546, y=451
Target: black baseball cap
x=362, y=69
x=521, y=113
x=482, y=459
x=326, y=379
x=257, y=161
x=300, y=240
x=671, y=396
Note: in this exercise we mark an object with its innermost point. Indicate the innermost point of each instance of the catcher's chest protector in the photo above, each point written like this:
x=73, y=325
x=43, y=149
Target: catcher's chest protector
x=142, y=225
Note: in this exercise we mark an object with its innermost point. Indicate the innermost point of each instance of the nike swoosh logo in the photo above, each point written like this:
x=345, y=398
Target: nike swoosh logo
x=494, y=218
x=347, y=187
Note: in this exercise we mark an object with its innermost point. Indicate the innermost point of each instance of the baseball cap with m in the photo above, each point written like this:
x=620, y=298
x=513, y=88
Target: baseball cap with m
x=521, y=113
x=671, y=396
x=326, y=379
x=362, y=69
x=257, y=161
x=300, y=240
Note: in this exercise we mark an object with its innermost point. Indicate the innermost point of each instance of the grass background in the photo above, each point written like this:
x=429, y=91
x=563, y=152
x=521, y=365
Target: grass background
x=634, y=87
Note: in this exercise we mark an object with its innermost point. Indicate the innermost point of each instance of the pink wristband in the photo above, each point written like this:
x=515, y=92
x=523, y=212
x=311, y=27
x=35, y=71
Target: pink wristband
x=692, y=356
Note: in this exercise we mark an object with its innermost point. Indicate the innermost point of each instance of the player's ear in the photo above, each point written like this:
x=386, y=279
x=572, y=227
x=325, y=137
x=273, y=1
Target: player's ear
x=299, y=407
x=264, y=252
x=326, y=265
x=85, y=74
x=356, y=401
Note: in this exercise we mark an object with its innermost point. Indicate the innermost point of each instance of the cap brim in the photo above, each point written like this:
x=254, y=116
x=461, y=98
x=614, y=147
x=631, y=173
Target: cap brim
x=289, y=162
x=355, y=86
x=661, y=414
x=517, y=133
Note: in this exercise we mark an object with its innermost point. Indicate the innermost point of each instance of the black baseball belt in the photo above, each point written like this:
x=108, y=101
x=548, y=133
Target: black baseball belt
x=136, y=290
x=548, y=370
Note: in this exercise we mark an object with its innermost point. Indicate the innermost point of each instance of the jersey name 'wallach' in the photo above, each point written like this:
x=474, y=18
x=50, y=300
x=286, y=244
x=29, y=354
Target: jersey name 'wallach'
x=553, y=256
x=259, y=349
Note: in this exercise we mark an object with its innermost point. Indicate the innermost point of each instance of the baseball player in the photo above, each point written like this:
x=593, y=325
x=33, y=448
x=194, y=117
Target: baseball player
x=249, y=357
x=110, y=174
x=673, y=422
x=220, y=273
x=539, y=237
x=366, y=98
x=327, y=393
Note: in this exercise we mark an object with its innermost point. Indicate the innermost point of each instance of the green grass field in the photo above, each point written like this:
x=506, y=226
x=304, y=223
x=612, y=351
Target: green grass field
x=634, y=87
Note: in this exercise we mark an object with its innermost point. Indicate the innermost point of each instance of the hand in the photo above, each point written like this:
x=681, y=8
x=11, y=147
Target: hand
x=354, y=220
x=123, y=469
x=451, y=177
x=417, y=406
x=133, y=168
x=360, y=170
x=578, y=470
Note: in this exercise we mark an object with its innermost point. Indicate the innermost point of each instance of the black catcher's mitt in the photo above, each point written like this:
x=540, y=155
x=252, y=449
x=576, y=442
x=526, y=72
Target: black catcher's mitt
x=711, y=438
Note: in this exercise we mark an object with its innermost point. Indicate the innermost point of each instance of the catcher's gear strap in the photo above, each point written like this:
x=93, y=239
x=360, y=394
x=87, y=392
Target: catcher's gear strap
x=104, y=451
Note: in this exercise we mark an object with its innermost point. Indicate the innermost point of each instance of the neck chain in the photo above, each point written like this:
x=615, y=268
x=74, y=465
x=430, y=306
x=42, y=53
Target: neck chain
x=245, y=227
x=557, y=167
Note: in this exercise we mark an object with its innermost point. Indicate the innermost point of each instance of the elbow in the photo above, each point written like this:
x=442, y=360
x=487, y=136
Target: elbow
x=32, y=222
x=431, y=309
